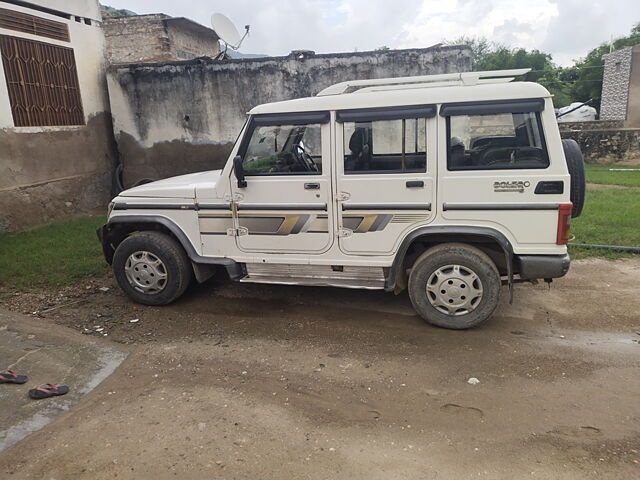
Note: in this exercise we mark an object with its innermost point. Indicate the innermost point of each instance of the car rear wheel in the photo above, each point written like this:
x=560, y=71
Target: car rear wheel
x=151, y=268
x=454, y=286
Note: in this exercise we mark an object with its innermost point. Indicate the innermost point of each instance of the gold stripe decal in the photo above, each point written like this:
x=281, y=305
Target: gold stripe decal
x=292, y=224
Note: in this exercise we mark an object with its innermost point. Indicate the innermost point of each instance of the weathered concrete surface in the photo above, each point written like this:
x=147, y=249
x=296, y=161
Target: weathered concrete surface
x=247, y=381
x=50, y=174
x=46, y=355
x=201, y=104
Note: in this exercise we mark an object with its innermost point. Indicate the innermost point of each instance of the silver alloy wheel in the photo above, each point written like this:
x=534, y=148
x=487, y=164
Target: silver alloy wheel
x=146, y=272
x=454, y=290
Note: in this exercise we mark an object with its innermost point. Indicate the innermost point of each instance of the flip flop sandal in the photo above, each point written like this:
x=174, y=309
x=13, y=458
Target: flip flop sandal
x=9, y=376
x=47, y=390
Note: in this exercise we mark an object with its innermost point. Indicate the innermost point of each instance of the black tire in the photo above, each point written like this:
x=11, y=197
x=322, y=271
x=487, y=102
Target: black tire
x=575, y=164
x=469, y=258
x=175, y=264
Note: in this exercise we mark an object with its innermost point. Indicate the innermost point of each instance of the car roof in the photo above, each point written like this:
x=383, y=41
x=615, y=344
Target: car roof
x=413, y=95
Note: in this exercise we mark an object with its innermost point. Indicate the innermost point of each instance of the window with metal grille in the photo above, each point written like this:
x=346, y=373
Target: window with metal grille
x=42, y=81
x=23, y=22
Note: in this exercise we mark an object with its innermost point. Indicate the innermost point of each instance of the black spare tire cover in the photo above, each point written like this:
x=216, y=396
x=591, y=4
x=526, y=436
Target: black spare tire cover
x=575, y=164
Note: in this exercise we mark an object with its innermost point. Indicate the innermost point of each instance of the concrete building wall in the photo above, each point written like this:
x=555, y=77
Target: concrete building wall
x=615, y=84
x=181, y=117
x=49, y=172
x=188, y=40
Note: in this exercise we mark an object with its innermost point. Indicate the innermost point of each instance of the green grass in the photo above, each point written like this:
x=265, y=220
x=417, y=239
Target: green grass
x=601, y=174
x=611, y=216
x=58, y=254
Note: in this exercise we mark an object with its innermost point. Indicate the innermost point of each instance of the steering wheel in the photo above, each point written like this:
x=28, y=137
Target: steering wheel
x=305, y=158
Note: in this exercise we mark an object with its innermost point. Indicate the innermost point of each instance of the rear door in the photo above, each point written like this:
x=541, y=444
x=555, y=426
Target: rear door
x=497, y=171
x=386, y=170
x=285, y=205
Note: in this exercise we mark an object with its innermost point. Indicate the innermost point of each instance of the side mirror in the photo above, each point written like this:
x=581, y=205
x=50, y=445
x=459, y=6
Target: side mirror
x=238, y=169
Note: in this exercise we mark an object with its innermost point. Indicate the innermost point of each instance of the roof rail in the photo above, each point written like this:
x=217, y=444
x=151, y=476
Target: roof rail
x=422, y=81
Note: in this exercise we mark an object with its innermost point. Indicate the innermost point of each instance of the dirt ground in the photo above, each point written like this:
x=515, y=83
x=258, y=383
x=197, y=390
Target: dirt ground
x=246, y=381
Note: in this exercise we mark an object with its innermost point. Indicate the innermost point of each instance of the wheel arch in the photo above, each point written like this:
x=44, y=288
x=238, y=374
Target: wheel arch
x=118, y=228
x=489, y=240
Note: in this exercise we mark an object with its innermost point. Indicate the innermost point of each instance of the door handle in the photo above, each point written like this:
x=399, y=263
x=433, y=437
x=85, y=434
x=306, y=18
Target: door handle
x=415, y=184
x=312, y=186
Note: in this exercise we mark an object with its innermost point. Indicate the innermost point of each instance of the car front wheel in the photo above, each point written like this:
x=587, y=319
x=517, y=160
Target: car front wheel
x=454, y=286
x=151, y=268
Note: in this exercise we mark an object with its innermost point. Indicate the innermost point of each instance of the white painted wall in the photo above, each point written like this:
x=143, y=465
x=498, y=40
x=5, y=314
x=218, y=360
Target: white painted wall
x=81, y=8
x=88, y=45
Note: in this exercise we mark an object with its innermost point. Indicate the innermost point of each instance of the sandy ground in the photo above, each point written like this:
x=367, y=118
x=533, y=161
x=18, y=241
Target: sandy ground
x=263, y=382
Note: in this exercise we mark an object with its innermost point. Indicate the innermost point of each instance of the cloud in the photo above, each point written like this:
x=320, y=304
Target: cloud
x=583, y=25
x=567, y=29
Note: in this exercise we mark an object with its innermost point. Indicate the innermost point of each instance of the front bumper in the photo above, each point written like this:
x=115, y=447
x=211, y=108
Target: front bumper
x=542, y=266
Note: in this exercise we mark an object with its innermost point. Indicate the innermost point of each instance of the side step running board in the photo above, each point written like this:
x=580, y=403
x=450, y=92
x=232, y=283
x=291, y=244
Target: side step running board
x=316, y=275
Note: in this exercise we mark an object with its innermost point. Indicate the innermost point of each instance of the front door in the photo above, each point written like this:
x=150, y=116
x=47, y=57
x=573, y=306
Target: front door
x=385, y=176
x=286, y=203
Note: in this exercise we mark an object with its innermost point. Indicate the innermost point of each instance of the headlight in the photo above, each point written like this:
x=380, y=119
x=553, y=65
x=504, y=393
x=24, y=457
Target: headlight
x=110, y=208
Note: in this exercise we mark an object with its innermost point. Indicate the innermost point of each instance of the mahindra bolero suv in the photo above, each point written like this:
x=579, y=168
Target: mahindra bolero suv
x=449, y=186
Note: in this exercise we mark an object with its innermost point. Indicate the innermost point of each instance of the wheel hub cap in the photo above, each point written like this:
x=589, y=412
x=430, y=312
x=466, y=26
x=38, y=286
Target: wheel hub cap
x=454, y=290
x=146, y=272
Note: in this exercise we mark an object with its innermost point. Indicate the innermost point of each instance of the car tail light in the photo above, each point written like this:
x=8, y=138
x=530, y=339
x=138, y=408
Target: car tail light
x=564, y=223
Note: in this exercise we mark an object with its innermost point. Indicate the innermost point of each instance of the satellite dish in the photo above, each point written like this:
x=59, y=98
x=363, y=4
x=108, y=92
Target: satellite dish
x=227, y=31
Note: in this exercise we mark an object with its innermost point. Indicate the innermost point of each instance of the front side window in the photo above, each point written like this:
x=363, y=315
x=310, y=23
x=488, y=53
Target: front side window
x=496, y=141
x=385, y=146
x=284, y=149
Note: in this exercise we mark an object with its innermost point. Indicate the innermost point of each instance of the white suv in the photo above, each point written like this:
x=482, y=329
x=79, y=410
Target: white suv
x=448, y=185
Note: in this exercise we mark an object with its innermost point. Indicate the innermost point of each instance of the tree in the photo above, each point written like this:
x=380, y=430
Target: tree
x=486, y=55
x=480, y=47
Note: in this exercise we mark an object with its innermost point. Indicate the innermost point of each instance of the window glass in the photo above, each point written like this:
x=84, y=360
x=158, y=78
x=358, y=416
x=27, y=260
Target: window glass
x=389, y=146
x=496, y=141
x=284, y=149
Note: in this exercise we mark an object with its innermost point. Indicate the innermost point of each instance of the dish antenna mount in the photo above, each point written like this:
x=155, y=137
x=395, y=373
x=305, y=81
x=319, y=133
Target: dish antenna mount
x=227, y=32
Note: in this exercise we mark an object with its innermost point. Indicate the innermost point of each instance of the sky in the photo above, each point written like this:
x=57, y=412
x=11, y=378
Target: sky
x=567, y=29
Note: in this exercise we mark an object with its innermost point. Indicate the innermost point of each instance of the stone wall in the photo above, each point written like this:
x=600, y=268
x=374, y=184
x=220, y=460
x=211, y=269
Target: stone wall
x=136, y=38
x=181, y=117
x=615, y=86
x=157, y=38
x=604, y=141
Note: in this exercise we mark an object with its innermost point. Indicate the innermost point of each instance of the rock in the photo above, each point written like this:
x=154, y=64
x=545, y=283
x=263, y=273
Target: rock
x=473, y=381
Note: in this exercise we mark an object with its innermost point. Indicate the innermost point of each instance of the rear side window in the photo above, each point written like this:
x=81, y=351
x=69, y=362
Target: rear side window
x=385, y=146
x=496, y=141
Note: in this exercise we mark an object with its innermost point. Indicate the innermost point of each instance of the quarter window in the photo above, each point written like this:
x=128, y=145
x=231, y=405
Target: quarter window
x=385, y=146
x=496, y=141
